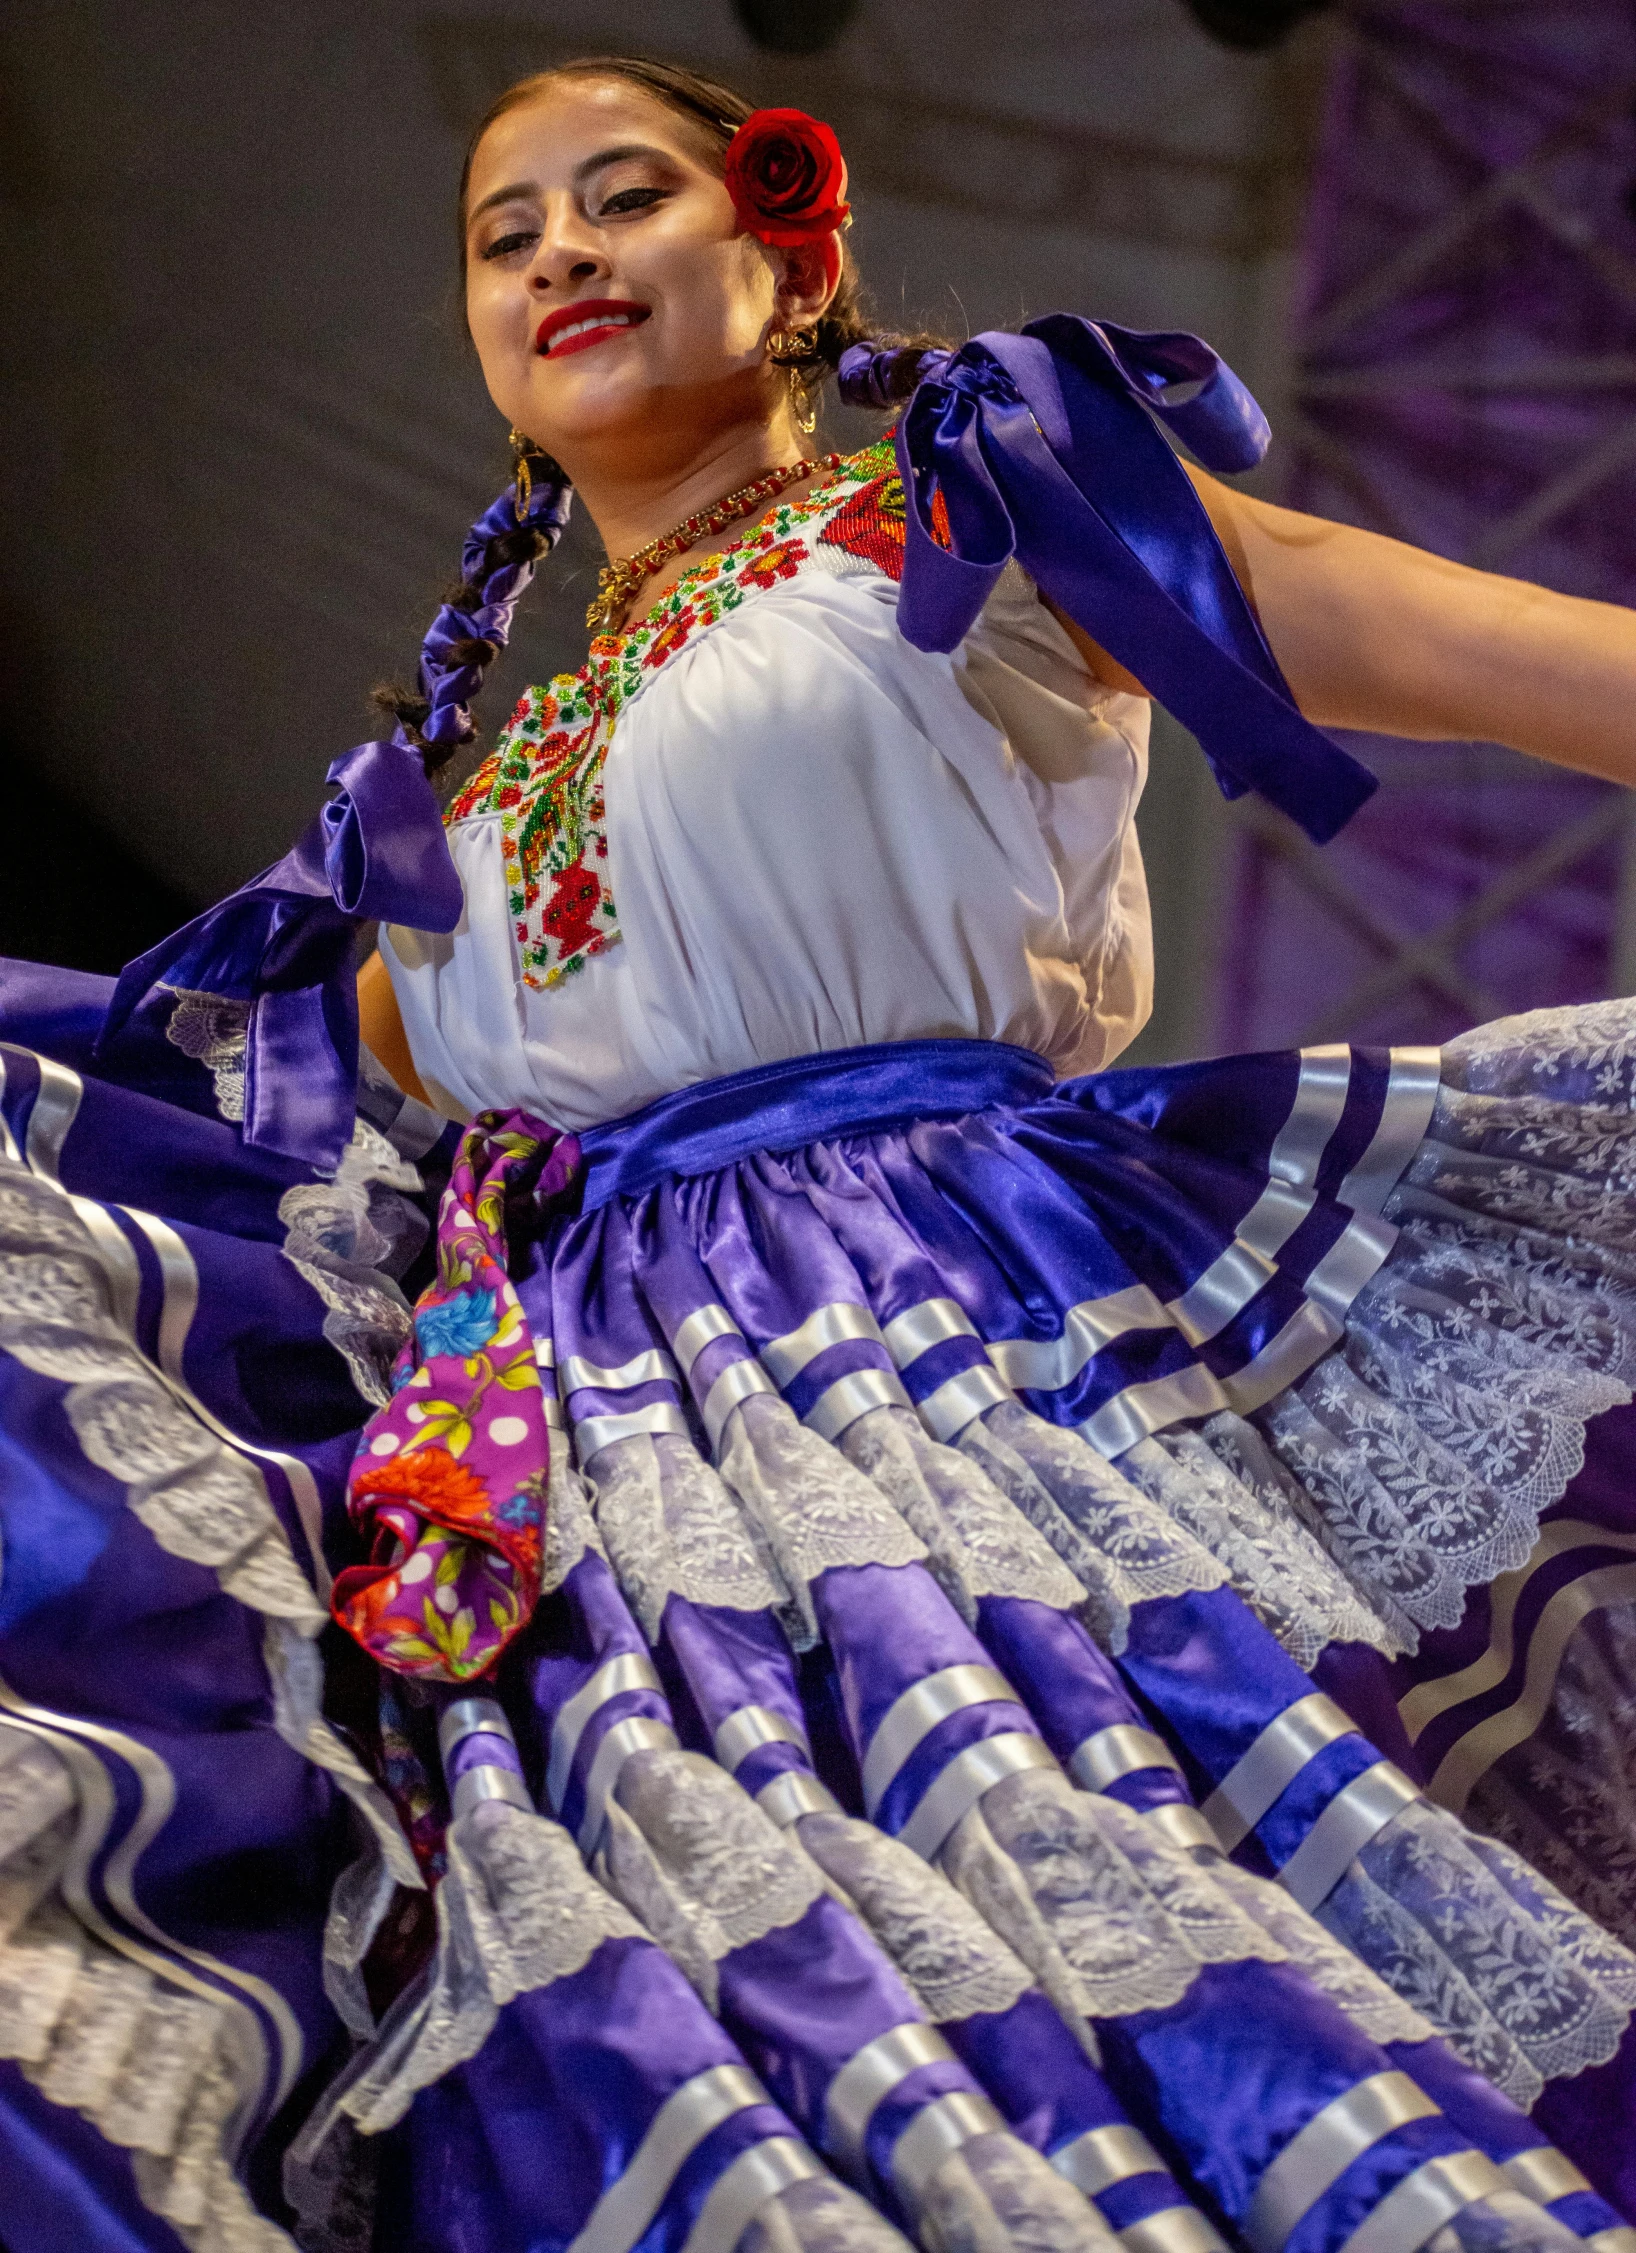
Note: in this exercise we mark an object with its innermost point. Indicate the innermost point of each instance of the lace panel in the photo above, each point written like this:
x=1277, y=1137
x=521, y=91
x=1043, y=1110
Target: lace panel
x=977, y=1542
x=997, y=2195
x=1120, y=1548
x=1272, y=1559
x=516, y=1910
x=699, y=1863
x=349, y=1238
x=570, y=1525
x=956, y=1964
x=820, y=2215
x=807, y=1503
x=151, y=2068
x=1332, y=1968
x=214, y=1031
x=203, y=1501
x=1108, y=1915
x=672, y=1528
x=1566, y=1799
x=1558, y=1991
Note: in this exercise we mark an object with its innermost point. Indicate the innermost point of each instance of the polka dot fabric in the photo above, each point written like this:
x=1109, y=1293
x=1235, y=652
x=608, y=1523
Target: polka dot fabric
x=448, y=1484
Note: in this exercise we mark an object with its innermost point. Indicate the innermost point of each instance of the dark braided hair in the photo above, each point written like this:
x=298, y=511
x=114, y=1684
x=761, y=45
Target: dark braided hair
x=503, y=546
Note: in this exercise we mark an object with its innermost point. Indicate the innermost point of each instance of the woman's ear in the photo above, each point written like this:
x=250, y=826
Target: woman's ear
x=812, y=274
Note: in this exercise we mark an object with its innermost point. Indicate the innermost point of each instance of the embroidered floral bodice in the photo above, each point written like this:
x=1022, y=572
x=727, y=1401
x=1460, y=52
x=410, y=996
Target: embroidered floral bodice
x=759, y=824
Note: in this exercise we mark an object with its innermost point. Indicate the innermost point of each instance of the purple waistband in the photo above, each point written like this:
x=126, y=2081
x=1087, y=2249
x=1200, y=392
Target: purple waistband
x=805, y=1099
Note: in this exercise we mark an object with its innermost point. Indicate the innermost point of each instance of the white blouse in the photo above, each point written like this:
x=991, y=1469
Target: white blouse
x=816, y=836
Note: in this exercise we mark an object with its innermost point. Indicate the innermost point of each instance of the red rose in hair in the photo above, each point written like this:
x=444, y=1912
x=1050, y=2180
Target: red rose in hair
x=787, y=178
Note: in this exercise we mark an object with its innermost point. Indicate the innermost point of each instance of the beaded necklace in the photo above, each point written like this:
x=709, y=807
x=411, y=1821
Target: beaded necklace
x=617, y=582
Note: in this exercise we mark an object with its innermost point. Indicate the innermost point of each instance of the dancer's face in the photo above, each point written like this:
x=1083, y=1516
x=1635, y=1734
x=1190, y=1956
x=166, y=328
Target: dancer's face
x=593, y=202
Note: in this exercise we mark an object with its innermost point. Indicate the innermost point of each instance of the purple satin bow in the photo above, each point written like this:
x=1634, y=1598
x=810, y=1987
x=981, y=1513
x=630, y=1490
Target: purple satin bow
x=284, y=943
x=1043, y=446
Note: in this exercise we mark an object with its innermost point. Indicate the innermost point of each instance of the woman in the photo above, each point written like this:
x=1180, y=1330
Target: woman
x=994, y=1459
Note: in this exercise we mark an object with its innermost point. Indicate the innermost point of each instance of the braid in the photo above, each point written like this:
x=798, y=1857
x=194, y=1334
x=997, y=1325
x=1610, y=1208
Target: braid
x=474, y=622
x=843, y=328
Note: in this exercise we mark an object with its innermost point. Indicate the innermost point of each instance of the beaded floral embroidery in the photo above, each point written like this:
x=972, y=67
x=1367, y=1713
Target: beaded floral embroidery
x=545, y=778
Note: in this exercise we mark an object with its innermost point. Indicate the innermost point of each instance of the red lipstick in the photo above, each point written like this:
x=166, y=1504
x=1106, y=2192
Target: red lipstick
x=592, y=320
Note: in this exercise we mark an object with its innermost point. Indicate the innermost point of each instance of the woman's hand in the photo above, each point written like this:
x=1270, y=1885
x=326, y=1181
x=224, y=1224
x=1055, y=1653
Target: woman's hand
x=380, y=1027
x=1374, y=634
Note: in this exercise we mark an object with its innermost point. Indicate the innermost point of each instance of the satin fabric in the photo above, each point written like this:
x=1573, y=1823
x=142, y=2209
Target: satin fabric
x=1043, y=446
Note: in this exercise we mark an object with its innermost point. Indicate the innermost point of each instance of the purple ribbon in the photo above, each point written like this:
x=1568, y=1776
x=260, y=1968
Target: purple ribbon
x=1044, y=447
x=284, y=943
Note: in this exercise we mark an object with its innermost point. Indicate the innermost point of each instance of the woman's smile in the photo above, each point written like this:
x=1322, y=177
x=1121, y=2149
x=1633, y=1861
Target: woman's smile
x=575, y=328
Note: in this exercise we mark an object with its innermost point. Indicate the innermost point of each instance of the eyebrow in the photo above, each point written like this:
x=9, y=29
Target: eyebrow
x=582, y=172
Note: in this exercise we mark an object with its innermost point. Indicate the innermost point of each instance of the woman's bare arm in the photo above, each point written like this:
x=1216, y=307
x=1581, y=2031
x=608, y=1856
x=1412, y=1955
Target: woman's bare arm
x=1374, y=634
x=380, y=1026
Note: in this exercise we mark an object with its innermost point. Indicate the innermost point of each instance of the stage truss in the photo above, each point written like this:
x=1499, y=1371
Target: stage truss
x=1466, y=379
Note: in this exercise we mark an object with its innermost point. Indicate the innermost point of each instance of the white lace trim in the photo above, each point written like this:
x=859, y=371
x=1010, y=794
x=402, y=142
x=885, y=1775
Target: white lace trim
x=998, y=2195
x=348, y=1238
x=1334, y=1970
x=203, y=1501
x=978, y=1543
x=570, y=1525
x=151, y=2067
x=1272, y=1558
x=1106, y=1913
x=516, y=1910
x=214, y=1030
x=1120, y=1548
x=1566, y=1799
x=954, y=1962
x=673, y=1529
x=820, y=2215
x=693, y=1856
x=1522, y=1984
x=807, y=1504
x=1503, y=1319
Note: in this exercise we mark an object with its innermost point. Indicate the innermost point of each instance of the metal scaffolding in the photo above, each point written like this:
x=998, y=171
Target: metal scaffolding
x=1466, y=379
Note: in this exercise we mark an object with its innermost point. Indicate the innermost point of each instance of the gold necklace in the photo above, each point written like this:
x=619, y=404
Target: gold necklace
x=618, y=581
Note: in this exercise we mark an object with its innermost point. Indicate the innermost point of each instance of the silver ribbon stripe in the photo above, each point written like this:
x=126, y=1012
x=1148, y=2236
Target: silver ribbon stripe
x=932, y=2135
x=1122, y=1750
x=837, y=1324
x=1102, y=2157
x=751, y=1726
x=1352, y=1818
x=625, y=1737
x=1183, y=1826
x=864, y=2082
x=701, y=1328
x=843, y=1402
x=1620, y=2240
x=631, y=1670
x=793, y=1794
x=646, y=1368
x=910, y=1719
x=1260, y=1779
x=737, y=1382
x=1424, y=2201
x=1320, y=2153
x=1174, y=2229
x=755, y=2176
x=1544, y=2174
x=624, y=2212
x=598, y=1432
x=962, y=1784
x=480, y=1717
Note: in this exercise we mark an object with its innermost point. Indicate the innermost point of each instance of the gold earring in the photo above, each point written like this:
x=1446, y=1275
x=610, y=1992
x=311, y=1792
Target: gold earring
x=521, y=449
x=786, y=348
